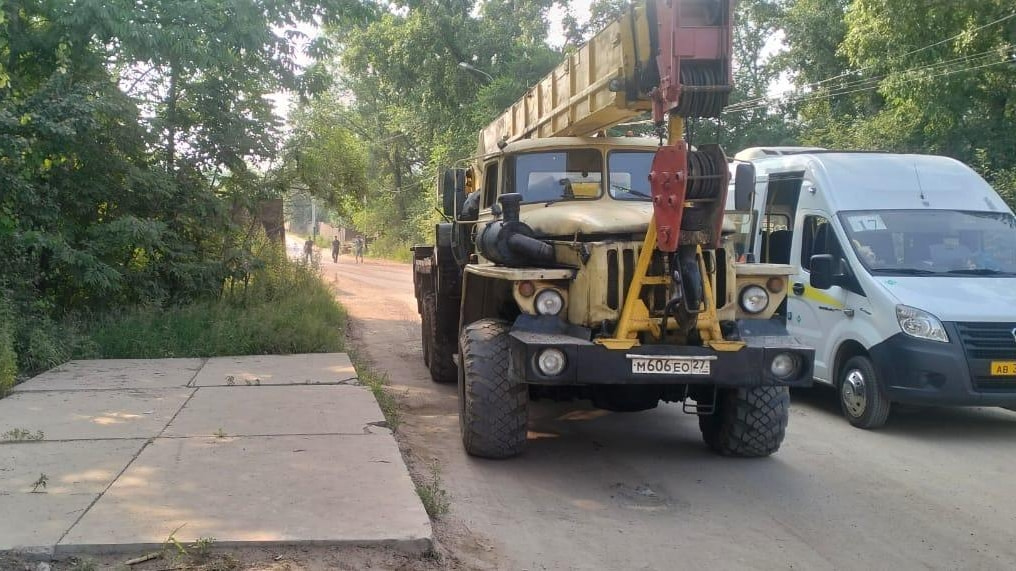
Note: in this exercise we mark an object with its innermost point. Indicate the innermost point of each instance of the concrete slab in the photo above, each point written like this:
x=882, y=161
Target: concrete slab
x=270, y=491
x=277, y=410
x=115, y=374
x=316, y=368
x=76, y=474
x=83, y=415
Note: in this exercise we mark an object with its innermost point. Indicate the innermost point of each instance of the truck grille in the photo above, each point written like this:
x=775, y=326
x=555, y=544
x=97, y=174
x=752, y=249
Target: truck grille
x=621, y=262
x=983, y=343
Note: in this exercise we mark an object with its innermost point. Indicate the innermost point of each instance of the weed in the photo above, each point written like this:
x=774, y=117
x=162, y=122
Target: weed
x=220, y=433
x=41, y=482
x=84, y=565
x=172, y=541
x=21, y=435
x=433, y=496
x=201, y=547
x=378, y=384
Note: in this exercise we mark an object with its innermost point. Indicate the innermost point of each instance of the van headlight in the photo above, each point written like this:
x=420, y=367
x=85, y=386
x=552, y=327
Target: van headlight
x=754, y=299
x=549, y=302
x=921, y=324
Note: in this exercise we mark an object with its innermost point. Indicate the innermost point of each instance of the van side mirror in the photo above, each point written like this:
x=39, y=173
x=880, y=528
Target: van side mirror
x=823, y=271
x=744, y=186
x=452, y=190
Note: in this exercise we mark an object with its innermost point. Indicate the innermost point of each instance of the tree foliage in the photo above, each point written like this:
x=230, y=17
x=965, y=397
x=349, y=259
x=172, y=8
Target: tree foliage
x=401, y=92
x=128, y=133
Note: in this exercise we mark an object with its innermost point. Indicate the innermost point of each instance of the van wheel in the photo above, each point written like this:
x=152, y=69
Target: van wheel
x=438, y=351
x=749, y=423
x=493, y=409
x=862, y=397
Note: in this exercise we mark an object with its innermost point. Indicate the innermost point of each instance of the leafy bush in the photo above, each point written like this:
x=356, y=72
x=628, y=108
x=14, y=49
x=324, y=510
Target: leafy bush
x=8, y=358
x=282, y=308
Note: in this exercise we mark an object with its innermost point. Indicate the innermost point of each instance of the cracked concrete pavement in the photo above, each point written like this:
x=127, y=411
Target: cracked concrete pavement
x=112, y=456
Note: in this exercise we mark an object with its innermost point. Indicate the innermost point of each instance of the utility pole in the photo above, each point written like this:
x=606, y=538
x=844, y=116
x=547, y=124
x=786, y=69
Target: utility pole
x=313, y=218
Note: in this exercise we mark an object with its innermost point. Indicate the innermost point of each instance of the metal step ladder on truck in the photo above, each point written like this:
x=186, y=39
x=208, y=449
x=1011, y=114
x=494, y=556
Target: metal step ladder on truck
x=580, y=266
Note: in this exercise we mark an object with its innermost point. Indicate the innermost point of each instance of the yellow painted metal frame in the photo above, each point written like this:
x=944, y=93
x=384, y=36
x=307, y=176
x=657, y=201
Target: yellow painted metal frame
x=635, y=317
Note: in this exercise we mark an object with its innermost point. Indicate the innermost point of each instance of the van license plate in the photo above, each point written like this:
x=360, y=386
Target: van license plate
x=680, y=366
x=1003, y=368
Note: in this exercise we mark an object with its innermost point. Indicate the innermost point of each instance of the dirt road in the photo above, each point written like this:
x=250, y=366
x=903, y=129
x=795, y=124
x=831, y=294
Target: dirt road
x=598, y=490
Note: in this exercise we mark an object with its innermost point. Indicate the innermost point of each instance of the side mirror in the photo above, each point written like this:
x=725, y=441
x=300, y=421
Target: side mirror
x=744, y=186
x=452, y=190
x=823, y=271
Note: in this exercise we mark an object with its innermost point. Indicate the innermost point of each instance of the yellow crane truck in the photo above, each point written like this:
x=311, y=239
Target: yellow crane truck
x=574, y=265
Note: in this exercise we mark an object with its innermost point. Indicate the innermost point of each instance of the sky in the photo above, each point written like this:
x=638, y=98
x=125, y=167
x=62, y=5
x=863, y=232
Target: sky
x=555, y=36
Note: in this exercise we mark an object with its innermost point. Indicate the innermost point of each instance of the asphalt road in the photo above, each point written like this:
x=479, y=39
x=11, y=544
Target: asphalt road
x=599, y=490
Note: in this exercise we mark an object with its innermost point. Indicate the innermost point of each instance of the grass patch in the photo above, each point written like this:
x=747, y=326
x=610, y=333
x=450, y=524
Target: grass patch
x=284, y=309
x=377, y=382
x=8, y=358
x=432, y=494
x=21, y=435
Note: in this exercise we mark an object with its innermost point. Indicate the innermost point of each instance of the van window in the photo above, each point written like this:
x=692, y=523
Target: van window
x=775, y=221
x=490, y=185
x=818, y=237
x=933, y=242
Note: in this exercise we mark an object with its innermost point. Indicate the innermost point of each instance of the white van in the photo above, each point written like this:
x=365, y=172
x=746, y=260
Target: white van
x=906, y=274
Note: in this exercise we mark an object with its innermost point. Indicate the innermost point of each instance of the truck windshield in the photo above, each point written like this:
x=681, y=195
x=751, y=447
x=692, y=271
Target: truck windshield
x=933, y=242
x=556, y=175
x=629, y=174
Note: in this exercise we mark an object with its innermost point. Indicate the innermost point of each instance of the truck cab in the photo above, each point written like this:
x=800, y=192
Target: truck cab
x=904, y=274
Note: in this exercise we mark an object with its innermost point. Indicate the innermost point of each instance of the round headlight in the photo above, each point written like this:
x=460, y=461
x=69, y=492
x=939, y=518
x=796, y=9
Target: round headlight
x=549, y=302
x=754, y=299
x=784, y=366
x=551, y=362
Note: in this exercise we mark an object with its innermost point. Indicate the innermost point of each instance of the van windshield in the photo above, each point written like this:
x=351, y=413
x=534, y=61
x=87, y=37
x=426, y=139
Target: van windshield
x=933, y=242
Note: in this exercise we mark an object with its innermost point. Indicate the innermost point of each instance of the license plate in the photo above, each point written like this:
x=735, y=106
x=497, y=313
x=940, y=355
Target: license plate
x=671, y=365
x=1003, y=368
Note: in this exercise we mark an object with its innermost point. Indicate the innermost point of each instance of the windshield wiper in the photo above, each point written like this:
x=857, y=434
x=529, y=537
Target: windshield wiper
x=905, y=271
x=980, y=272
x=631, y=191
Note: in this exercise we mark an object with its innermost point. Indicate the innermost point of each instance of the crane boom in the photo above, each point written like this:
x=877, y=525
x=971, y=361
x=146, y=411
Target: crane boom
x=660, y=55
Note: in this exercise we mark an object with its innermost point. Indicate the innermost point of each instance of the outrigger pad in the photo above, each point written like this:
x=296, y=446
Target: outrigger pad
x=668, y=180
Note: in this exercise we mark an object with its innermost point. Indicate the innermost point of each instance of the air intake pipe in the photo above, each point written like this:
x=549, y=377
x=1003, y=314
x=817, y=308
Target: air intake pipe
x=510, y=242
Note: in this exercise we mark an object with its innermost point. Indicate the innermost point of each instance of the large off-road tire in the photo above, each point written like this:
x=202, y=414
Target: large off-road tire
x=493, y=409
x=862, y=398
x=425, y=334
x=749, y=423
x=439, y=351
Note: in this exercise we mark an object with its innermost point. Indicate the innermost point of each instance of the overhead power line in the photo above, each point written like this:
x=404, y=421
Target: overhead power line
x=965, y=59
x=912, y=52
x=826, y=95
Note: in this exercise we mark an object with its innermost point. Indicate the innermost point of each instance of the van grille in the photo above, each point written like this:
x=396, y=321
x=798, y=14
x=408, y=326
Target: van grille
x=986, y=342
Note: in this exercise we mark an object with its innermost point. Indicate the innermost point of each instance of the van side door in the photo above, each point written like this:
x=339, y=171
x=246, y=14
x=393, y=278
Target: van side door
x=813, y=314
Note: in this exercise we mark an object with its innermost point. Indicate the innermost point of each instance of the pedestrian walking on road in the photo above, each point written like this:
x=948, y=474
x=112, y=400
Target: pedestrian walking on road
x=336, y=246
x=308, y=250
x=359, y=247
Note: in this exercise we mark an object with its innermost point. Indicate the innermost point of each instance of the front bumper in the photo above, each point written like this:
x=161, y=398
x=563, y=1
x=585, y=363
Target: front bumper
x=589, y=363
x=920, y=372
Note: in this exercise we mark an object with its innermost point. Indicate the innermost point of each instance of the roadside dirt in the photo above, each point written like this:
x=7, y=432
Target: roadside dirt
x=598, y=490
